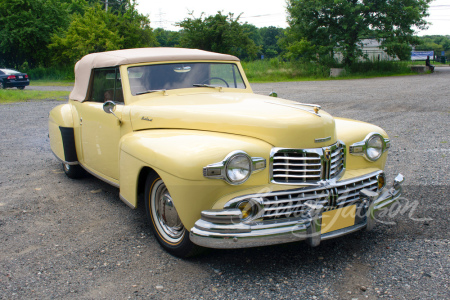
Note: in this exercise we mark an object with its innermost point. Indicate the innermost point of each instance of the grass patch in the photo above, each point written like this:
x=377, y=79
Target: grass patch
x=380, y=68
x=275, y=70
x=11, y=96
x=51, y=82
x=51, y=73
x=434, y=63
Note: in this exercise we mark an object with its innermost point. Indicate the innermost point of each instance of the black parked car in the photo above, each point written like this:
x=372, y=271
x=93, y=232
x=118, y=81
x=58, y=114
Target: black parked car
x=12, y=78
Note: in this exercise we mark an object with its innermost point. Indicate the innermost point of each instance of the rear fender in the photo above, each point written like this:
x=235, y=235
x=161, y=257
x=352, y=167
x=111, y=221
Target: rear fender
x=61, y=134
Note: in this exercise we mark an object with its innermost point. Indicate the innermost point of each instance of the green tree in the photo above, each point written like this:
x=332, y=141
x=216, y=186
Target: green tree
x=437, y=43
x=301, y=50
x=26, y=27
x=218, y=33
x=83, y=38
x=340, y=25
x=254, y=34
x=270, y=36
x=110, y=32
x=167, y=38
x=135, y=28
x=77, y=6
x=115, y=6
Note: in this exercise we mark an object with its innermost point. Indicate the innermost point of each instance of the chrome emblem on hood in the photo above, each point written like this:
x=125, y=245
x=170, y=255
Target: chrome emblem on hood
x=322, y=139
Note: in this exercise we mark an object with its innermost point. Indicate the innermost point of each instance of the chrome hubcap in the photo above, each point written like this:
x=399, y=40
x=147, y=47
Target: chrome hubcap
x=165, y=214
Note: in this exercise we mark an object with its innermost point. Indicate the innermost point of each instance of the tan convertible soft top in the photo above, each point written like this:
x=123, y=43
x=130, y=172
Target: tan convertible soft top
x=132, y=56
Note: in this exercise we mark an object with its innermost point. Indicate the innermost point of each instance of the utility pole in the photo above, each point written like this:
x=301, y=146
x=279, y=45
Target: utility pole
x=106, y=6
x=161, y=20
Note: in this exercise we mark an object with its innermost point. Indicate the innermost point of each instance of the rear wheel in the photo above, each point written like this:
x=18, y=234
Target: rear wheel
x=164, y=220
x=73, y=171
x=2, y=86
x=20, y=87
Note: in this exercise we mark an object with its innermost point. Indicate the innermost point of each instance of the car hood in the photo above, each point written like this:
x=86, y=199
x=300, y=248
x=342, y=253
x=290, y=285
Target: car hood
x=282, y=123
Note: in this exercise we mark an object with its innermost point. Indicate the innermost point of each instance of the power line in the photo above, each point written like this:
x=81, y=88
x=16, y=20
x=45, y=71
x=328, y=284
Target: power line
x=266, y=15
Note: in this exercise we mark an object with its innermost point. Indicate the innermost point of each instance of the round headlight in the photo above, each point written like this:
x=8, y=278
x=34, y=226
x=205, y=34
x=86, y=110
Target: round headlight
x=238, y=168
x=374, y=147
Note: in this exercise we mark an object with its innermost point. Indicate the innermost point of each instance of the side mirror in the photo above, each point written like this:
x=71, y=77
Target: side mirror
x=109, y=107
x=273, y=94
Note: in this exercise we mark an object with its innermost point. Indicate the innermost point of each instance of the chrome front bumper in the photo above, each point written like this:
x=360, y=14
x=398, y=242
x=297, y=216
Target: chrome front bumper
x=223, y=229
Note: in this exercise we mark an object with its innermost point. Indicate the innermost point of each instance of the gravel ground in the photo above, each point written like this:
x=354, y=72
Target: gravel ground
x=74, y=239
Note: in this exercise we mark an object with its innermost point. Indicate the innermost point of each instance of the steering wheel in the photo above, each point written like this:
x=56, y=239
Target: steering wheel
x=218, y=78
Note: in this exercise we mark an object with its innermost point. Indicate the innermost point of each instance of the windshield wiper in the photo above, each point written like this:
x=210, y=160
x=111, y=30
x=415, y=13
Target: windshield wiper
x=151, y=91
x=205, y=85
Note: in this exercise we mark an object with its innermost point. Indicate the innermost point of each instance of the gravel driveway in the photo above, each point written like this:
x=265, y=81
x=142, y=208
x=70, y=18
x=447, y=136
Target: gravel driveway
x=74, y=239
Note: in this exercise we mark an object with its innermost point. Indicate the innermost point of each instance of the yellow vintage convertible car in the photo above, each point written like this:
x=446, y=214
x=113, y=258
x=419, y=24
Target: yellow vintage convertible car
x=180, y=132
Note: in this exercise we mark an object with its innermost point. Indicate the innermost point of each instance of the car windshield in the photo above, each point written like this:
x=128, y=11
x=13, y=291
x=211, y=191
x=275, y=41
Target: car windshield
x=9, y=72
x=160, y=77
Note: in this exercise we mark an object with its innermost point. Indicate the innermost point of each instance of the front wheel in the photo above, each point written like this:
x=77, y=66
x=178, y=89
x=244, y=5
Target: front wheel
x=164, y=220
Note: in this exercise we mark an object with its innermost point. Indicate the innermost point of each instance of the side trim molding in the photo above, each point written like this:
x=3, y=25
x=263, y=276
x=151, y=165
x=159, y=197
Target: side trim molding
x=101, y=178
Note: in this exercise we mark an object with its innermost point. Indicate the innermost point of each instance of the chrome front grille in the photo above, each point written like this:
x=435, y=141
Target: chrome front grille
x=337, y=161
x=303, y=166
x=293, y=203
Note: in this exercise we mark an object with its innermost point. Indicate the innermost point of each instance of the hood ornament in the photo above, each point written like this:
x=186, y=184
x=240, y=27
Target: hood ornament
x=315, y=107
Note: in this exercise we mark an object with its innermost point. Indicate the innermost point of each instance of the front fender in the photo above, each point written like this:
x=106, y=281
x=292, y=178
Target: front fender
x=184, y=153
x=178, y=156
x=352, y=131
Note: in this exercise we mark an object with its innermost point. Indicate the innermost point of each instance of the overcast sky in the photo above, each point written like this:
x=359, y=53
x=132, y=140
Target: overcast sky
x=272, y=13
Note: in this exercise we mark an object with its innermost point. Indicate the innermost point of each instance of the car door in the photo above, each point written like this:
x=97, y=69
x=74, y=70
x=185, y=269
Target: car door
x=100, y=132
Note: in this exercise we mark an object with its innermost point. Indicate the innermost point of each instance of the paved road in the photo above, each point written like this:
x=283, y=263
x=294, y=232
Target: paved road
x=75, y=239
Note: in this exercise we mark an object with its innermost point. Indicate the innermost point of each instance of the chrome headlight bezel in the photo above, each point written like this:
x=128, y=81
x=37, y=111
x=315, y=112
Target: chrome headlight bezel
x=374, y=147
x=220, y=170
x=246, y=162
x=363, y=148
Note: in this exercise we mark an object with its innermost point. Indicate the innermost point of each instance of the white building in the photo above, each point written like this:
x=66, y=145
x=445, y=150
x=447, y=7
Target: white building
x=372, y=51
